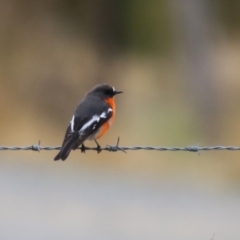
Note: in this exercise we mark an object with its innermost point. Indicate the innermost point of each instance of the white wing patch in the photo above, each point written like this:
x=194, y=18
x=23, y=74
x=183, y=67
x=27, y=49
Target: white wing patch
x=113, y=88
x=72, y=123
x=95, y=118
x=109, y=121
x=103, y=115
x=93, y=121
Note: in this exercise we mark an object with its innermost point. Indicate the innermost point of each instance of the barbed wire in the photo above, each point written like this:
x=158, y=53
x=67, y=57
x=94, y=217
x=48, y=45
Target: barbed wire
x=115, y=148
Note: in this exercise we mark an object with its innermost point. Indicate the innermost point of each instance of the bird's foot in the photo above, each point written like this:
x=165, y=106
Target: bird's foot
x=83, y=148
x=99, y=149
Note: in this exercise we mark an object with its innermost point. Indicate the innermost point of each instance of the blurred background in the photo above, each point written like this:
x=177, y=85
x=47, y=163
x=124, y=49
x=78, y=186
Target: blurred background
x=178, y=63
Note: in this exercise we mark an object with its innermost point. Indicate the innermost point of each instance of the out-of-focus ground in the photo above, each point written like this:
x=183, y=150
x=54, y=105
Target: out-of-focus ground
x=78, y=202
x=178, y=65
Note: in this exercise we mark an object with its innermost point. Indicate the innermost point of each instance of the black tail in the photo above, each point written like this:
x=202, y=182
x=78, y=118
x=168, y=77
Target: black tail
x=67, y=147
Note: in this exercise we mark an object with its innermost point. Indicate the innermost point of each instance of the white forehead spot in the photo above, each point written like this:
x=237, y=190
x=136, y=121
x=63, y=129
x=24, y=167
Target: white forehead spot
x=113, y=89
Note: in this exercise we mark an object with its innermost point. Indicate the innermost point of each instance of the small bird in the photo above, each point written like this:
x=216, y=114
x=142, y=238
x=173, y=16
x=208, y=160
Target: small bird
x=93, y=117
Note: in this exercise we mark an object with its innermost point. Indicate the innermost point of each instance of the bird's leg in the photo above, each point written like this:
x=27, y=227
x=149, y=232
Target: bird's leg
x=98, y=146
x=83, y=148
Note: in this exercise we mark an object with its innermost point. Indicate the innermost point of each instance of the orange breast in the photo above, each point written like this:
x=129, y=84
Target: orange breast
x=111, y=102
x=108, y=124
x=103, y=130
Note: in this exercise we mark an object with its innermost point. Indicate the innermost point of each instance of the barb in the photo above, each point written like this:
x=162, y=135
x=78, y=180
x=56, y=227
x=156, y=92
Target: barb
x=115, y=148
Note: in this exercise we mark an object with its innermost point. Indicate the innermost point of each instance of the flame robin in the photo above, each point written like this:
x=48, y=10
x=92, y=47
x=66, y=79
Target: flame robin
x=93, y=117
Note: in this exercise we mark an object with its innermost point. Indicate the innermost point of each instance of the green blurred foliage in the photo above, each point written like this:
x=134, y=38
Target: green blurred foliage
x=148, y=26
x=228, y=15
x=140, y=26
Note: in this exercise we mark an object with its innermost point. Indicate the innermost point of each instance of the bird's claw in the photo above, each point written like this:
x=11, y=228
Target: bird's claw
x=99, y=149
x=83, y=148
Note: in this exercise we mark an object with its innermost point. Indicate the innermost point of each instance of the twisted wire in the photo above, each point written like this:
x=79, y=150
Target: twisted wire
x=115, y=148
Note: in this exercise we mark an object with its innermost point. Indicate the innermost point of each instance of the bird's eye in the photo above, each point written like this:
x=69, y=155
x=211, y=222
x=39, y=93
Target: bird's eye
x=108, y=92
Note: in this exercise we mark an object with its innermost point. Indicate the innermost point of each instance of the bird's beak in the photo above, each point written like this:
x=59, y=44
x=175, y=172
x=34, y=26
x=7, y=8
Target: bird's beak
x=118, y=92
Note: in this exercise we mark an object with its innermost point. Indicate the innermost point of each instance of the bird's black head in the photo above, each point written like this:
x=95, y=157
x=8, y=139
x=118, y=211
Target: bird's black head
x=104, y=91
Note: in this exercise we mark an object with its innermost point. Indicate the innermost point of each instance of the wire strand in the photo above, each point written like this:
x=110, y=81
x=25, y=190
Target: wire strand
x=115, y=148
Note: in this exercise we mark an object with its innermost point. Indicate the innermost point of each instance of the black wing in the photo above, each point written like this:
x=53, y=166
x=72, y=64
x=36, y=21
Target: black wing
x=88, y=118
x=68, y=143
x=91, y=127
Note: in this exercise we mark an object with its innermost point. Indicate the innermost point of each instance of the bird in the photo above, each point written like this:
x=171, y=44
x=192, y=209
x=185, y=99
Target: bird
x=92, y=119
